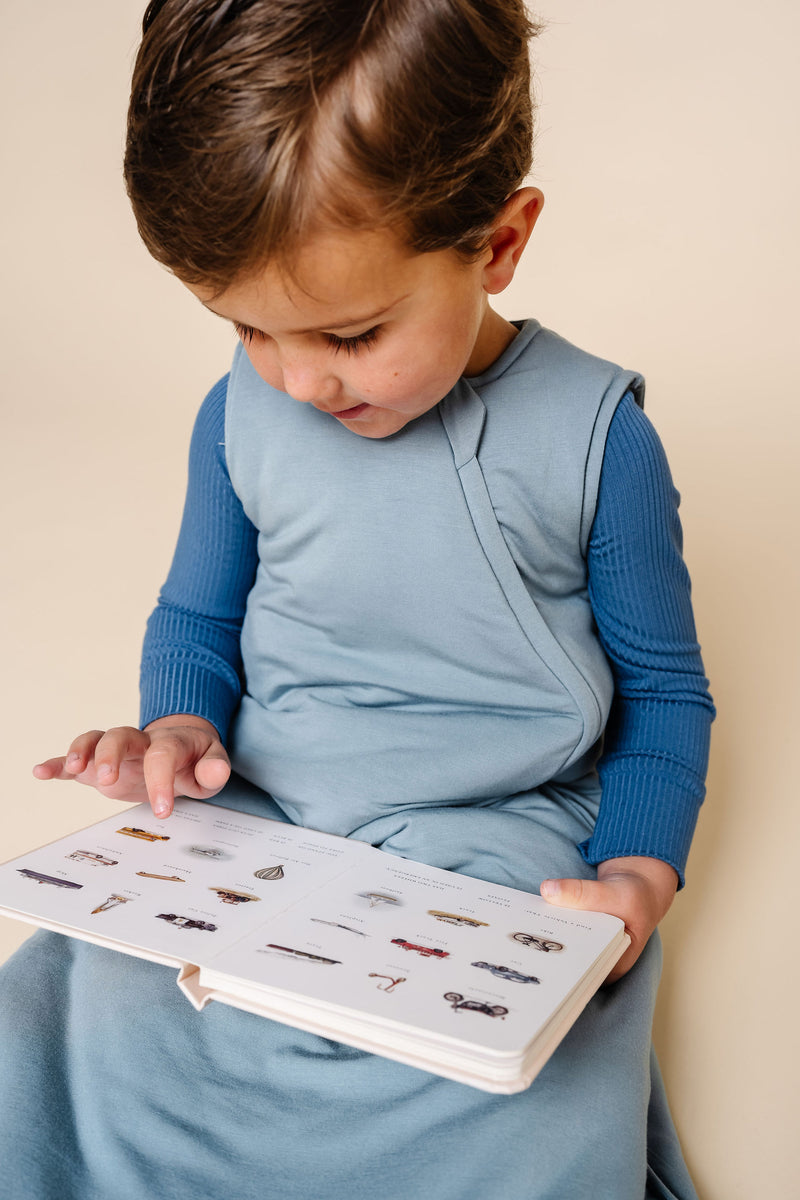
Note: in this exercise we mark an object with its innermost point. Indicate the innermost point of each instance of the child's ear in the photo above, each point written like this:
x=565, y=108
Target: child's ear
x=510, y=233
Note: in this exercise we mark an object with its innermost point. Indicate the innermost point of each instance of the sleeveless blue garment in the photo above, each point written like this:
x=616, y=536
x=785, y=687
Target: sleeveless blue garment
x=423, y=673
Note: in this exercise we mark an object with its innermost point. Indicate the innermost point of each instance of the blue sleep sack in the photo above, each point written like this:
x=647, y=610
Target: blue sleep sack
x=422, y=672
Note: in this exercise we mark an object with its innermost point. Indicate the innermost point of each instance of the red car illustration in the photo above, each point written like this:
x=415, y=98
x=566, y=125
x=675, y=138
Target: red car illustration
x=425, y=951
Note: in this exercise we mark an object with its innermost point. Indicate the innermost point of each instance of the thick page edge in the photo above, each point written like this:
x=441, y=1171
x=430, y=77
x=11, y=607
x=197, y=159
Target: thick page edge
x=506, y=1073
x=205, y=995
x=107, y=943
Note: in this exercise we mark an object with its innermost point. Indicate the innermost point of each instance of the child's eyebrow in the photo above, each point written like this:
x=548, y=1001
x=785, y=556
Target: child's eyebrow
x=345, y=323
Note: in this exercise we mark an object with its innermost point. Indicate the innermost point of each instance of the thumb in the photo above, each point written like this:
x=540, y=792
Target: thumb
x=212, y=771
x=573, y=893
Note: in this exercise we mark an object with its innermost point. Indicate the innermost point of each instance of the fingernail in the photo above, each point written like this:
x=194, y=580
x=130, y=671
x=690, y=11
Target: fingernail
x=103, y=771
x=72, y=759
x=549, y=889
x=161, y=807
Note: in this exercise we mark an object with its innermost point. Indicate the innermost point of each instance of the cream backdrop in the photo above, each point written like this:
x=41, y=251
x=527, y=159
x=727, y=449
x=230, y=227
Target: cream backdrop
x=667, y=151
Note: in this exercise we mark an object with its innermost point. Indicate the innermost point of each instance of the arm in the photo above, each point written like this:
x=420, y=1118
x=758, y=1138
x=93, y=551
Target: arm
x=191, y=659
x=656, y=744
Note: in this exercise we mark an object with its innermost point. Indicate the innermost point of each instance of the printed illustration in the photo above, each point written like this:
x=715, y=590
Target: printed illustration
x=96, y=859
x=538, y=943
x=378, y=898
x=170, y=878
x=185, y=922
x=458, y=1002
x=269, y=873
x=207, y=852
x=145, y=834
x=338, y=925
x=40, y=878
x=507, y=973
x=111, y=902
x=425, y=951
x=229, y=896
x=303, y=954
x=392, y=982
x=455, y=919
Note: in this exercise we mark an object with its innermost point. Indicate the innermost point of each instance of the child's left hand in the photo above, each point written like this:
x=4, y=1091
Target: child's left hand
x=637, y=890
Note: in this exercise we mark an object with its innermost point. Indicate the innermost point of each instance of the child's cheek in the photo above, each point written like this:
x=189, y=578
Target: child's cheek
x=266, y=365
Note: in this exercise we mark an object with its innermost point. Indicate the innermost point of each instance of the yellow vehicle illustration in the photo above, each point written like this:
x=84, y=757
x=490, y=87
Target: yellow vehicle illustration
x=145, y=834
x=455, y=918
x=112, y=902
x=169, y=878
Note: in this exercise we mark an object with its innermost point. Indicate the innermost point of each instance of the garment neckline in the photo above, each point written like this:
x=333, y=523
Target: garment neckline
x=527, y=330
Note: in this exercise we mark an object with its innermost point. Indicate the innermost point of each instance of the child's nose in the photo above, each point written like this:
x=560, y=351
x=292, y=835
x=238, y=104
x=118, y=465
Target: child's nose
x=310, y=382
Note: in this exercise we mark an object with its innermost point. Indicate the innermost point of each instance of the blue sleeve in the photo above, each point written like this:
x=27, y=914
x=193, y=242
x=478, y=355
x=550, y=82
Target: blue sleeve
x=656, y=743
x=191, y=662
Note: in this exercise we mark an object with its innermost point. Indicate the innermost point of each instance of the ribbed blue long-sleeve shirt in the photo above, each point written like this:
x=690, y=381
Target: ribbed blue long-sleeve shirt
x=656, y=743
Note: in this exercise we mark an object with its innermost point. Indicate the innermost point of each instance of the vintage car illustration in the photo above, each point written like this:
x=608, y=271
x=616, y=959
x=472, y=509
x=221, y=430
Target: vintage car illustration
x=145, y=834
x=338, y=925
x=169, y=878
x=90, y=856
x=40, y=878
x=112, y=902
x=455, y=918
x=458, y=1002
x=185, y=922
x=304, y=954
x=538, y=943
x=507, y=973
x=378, y=898
x=229, y=896
x=425, y=951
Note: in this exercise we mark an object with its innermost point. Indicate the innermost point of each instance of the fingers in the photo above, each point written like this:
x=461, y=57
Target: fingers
x=164, y=759
x=68, y=765
x=184, y=760
x=51, y=768
x=616, y=898
x=213, y=770
x=153, y=764
x=95, y=757
x=122, y=746
x=571, y=893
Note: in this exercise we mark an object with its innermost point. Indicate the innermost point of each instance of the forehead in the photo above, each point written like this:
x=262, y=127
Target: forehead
x=336, y=279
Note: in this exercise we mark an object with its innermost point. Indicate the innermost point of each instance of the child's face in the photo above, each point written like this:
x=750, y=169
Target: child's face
x=365, y=330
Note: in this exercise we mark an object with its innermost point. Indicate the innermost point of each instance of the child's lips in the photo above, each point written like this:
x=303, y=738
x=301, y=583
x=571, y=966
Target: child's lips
x=348, y=414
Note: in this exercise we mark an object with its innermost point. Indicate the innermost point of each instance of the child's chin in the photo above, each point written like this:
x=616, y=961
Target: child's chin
x=376, y=424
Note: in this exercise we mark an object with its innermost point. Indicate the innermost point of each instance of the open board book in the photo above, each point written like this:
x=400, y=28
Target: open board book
x=470, y=980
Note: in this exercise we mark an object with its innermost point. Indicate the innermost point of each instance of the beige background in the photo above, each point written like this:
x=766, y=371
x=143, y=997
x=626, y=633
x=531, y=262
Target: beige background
x=667, y=150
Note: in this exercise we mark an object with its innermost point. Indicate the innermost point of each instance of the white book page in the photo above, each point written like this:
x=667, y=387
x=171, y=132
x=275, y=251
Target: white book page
x=180, y=889
x=412, y=946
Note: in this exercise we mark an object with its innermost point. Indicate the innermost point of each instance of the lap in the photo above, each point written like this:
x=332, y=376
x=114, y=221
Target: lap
x=119, y=1088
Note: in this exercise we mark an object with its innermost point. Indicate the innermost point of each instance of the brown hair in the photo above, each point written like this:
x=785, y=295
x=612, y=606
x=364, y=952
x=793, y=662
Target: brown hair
x=253, y=121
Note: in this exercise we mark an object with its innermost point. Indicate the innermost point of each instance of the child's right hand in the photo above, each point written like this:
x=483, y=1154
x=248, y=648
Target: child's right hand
x=176, y=755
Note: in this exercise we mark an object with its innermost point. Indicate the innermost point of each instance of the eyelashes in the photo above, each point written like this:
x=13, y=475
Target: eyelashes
x=350, y=345
x=246, y=333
